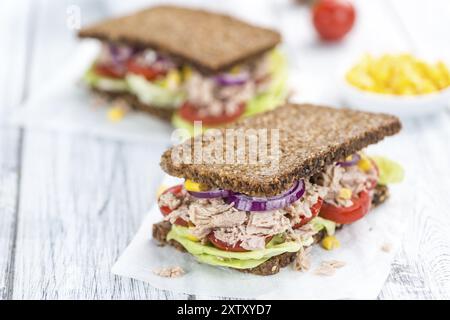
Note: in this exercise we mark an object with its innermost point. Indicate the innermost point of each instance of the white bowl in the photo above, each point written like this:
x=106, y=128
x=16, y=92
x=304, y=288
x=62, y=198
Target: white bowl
x=402, y=106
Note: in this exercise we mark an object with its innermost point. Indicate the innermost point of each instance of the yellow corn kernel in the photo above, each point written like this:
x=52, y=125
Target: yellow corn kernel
x=428, y=87
x=160, y=190
x=192, y=238
x=345, y=194
x=401, y=74
x=173, y=79
x=365, y=164
x=190, y=185
x=187, y=72
x=116, y=113
x=445, y=73
x=330, y=243
x=235, y=70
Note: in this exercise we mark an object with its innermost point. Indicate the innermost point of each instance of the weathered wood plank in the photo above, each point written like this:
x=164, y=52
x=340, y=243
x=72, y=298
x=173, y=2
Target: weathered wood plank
x=9, y=178
x=421, y=269
x=82, y=199
x=13, y=89
x=81, y=203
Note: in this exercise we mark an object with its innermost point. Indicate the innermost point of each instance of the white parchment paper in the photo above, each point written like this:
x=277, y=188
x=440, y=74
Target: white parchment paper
x=367, y=264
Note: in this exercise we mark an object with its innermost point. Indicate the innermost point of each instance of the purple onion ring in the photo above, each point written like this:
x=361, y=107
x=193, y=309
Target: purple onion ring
x=210, y=194
x=228, y=79
x=355, y=158
x=247, y=203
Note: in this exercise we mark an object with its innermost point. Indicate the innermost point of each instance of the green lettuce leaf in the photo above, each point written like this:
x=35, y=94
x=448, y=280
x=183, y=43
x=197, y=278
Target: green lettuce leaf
x=104, y=83
x=179, y=122
x=209, y=254
x=231, y=263
x=320, y=223
x=277, y=92
x=153, y=93
x=390, y=171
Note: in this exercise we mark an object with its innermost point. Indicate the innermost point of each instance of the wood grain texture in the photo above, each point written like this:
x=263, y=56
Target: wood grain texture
x=421, y=269
x=81, y=203
x=70, y=204
x=13, y=90
x=9, y=177
x=82, y=199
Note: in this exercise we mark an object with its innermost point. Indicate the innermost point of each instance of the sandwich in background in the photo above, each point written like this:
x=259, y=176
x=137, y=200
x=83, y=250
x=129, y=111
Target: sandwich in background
x=186, y=64
x=256, y=218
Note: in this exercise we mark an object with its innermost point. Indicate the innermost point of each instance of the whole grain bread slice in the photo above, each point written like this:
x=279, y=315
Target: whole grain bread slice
x=210, y=41
x=274, y=264
x=310, y=138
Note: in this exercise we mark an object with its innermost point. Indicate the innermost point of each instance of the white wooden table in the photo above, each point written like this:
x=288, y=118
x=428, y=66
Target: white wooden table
x=69, y=204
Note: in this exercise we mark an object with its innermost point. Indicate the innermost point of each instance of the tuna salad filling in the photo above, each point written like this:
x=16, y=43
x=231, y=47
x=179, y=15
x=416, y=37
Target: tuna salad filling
x=218, y=220
x=342, y=183
x=224, y=228
x=233, y=223
x=159, y=81
x=222, y=94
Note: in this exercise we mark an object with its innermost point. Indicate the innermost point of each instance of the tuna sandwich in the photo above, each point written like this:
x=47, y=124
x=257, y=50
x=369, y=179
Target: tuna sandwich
x=260, y=216
x=188, y=65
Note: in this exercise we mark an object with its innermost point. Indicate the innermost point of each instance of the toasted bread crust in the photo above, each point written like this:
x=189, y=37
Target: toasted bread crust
x=211, y=42
x=274, y=264
x=133, y=102
x=310, y=138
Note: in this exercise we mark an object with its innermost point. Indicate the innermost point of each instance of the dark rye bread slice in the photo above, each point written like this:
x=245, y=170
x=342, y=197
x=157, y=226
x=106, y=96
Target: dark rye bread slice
x=133, y=102
x=274, y=264
x=211, y=42
x=310, y=138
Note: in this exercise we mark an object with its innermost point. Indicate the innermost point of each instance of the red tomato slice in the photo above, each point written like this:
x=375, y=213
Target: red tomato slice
x=190, y=113
x=226, y=247
x=314, y=210
x=148, y=72
x=176, y=190
x=333, y=19
x=109, y=71
x=359, y=209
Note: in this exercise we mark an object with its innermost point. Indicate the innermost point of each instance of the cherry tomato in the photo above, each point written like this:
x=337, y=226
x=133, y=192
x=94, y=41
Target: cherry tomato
x=176, y=190
x=190, y=113
x=333, y=19
x=226, y=247
x=147, y=71
x=342, y=215
x=109, y=71
x=314, y=212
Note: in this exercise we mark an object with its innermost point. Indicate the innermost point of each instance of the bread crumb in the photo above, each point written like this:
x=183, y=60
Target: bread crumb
x=386, y=247
x=302, y=261
x=328, y=268
x=170, y=272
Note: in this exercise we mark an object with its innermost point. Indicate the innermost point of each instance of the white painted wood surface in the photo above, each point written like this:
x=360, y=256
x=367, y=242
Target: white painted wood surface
x=69, y=204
